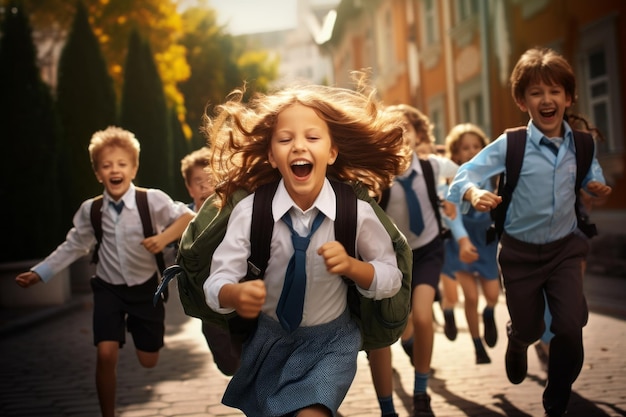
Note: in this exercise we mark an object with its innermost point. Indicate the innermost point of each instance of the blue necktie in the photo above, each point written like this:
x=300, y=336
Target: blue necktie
x=415, y=212
x=291, y=303
x=550, y=145
x=117, y=206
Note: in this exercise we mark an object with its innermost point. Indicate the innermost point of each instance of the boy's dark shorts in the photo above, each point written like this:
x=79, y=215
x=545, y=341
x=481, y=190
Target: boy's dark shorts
x=119, y=306
x=427, y=263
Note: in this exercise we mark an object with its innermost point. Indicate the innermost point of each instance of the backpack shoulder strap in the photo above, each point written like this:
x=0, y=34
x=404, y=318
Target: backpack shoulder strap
x=584, y=155
x=95, y=216
x=261, y=230
x=515, y=147
x=384, y=198
x=585, y=145
x=141, y=197
x=345, y=222
x=431, y=186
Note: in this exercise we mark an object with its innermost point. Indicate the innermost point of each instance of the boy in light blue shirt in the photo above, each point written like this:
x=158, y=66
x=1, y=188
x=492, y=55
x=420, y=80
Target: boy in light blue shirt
x=542, y=248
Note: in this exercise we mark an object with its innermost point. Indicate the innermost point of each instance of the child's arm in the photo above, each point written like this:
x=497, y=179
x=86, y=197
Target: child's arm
x=156, y=243
x=247, y=298
x=482, y=200
x=339, y=262
x=26, y=279
x=598, y=189
x=467, y=250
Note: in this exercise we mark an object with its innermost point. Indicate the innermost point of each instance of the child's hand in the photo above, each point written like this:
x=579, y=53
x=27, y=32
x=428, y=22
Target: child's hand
x=449, y=209
x=467, y=251
x=336, y=258
x=482, y=200
x=26, y=279
x=154, y=244
x=598, y=189
x=247, y=298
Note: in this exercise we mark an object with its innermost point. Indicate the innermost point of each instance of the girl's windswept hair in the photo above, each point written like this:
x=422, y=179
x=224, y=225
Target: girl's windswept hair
x=369, y=142
x=542, y=64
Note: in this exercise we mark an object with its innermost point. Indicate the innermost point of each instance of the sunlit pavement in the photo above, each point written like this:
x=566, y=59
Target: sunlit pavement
x=47, y=367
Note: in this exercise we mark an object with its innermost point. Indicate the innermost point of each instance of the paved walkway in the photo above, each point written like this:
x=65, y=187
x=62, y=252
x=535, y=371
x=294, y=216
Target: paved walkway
x=47, y=367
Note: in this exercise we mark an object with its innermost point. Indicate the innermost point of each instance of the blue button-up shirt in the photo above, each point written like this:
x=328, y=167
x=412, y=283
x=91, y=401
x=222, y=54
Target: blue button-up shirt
x=542, y=204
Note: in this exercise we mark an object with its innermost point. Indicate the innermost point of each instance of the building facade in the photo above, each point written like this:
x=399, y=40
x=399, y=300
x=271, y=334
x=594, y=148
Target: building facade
x=452, y=59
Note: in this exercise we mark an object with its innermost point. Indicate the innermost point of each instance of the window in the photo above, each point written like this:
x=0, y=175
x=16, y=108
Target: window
x=436, y=115
x=466, y=9
x=599, y=83
x=471, y=105
x=431, y=29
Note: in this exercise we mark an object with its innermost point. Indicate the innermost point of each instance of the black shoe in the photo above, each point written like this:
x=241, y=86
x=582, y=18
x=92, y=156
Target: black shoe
x=391, y=415
x=482, y=357
x=421, y=405
x=449, y=328
x=491, y=332
x=516, y=362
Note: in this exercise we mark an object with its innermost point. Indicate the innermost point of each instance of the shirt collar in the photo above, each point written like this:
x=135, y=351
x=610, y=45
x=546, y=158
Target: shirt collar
x=128, y=198
x=326, y=201
x=415, y=166
x=536, y=134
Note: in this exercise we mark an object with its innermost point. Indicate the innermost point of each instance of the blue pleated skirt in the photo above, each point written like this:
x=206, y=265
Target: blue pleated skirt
x=284, y=372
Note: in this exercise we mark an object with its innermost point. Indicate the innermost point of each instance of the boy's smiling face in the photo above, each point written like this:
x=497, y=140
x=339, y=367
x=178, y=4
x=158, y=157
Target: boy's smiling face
x=301, y=148
x=546, y=105
x=116, y=170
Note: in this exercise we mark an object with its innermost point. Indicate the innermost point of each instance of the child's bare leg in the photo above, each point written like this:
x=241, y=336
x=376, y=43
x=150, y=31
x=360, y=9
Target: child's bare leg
x=147, y=359
x=106, y=376
x=424, y=333
x=382, y=373
x=470, y=291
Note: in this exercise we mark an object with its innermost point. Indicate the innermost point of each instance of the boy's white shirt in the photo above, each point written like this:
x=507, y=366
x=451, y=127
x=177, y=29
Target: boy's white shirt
x=325, y=297
x=398, y=210
x=122, y=258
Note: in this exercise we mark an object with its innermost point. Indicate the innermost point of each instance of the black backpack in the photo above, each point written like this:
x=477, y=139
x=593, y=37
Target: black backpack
x=515, y=147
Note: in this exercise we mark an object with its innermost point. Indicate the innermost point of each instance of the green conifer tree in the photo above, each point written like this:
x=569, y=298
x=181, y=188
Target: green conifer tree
x=181, y=146
x=30, y=220
x=144, y=112
x=86, y=103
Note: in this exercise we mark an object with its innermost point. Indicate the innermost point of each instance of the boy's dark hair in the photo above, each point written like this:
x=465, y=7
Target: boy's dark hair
x=542, y=64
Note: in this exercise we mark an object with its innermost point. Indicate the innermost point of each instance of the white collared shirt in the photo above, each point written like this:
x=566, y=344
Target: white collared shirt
x=122, y=258
x=398, y=209
x=325, y=297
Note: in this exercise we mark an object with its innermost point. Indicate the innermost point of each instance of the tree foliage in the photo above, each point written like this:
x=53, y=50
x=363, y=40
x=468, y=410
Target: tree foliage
x=158, y=21
x=29, y=131
x=86, y=103
x=144, y=112
x=219, y=63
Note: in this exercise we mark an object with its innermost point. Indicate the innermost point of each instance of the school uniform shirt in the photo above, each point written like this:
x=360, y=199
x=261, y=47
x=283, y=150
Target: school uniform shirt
x=542, y=205
x=325, y=296
x=122, y=258
x=398, y=209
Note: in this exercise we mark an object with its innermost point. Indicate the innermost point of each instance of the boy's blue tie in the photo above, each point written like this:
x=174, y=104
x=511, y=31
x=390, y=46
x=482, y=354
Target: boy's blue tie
x=415, y=212
x=550, y=145
x=117, y=206
x=291, y=303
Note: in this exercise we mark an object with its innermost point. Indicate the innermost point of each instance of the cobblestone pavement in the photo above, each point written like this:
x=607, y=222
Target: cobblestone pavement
x=47, y=368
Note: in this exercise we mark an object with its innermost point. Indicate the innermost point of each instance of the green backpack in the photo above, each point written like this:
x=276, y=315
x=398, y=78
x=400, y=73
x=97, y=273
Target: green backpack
x=381, y=321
